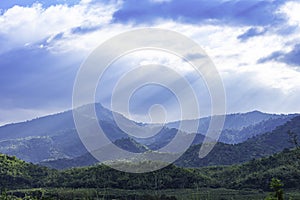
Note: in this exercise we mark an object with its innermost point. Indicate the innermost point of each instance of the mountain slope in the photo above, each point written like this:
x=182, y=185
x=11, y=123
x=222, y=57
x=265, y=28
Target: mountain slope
x=87, y=159
x=54, y=137
x=242, y=126
x=256, y=147
x=50, y=125
x=222, y=154
x=255, y=174
x=15, y=173
x=233, y=136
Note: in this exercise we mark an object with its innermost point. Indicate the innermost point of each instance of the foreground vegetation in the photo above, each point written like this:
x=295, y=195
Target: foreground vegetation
x=108, y=193
x=250, y=180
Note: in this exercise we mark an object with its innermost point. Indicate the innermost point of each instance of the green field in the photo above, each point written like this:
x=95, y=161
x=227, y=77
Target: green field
x=181, y=194
x=251, y=180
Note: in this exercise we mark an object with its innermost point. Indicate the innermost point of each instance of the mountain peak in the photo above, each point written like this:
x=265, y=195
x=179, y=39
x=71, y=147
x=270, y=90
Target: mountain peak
x=256, y=111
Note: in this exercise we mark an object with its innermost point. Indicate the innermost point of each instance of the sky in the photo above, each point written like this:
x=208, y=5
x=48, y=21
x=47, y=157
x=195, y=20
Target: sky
x=255, y=46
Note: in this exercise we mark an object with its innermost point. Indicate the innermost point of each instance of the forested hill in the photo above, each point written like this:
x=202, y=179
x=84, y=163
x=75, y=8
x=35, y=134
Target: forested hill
x=222, y=154
x=256, y=147
x=254, y=174
x=15, y=173
x=54, y=138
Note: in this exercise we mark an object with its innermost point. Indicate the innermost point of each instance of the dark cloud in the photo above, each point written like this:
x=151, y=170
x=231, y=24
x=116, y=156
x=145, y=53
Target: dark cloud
x=35, y=78
x=84, y=30
x=251, y=32
x=247, y=12
x=291, y=58
x=287, y=30
x=58, y=36
x=277, y=55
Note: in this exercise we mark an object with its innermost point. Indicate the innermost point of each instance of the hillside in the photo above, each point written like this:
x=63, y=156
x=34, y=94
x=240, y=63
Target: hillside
x=255, y=174
x=54, y=137
x=241, y=126
x=256, y=147
x=87, y=159
x=15, y=173
x=222, y=154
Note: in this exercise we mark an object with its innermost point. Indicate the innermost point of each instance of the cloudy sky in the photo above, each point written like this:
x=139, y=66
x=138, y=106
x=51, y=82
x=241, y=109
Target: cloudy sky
x=254, y=44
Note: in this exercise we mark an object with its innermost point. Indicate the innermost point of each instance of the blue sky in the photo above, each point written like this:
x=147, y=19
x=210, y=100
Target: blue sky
x=255, y=45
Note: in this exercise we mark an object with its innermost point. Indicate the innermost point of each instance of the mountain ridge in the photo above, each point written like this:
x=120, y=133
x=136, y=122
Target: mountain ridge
x=55, y=137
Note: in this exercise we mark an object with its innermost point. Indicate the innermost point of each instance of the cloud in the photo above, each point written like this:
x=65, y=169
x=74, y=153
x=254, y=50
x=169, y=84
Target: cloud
x=29, y=25
x=291, y=58
x=241, y=12
x=33, y=78
x=291, y=10
x=277, y=55
x=38, y=67
x=7, y=4
x=251, y=32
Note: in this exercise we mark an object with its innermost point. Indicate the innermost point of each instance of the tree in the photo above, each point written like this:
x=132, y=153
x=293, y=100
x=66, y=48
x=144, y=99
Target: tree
x=293, y=138
x=276, y=186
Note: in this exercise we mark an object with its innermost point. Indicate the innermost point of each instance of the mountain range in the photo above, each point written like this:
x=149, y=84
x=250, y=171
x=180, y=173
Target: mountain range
x=53, y=140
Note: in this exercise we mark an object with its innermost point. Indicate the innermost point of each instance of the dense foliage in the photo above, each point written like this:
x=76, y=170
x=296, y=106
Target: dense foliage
x=255, y=174
x=256, y=147
x=15, y=173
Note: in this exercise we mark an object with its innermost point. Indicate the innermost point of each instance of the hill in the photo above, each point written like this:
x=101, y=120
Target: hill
x=54, y=137
x=255, y=174
x=222, y=154
x=241, y=126
x=87, y=159
x=256, y=147
x=15, y=173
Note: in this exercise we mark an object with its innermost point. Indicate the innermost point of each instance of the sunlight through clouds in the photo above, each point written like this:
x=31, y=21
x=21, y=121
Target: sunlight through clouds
x=257, y=50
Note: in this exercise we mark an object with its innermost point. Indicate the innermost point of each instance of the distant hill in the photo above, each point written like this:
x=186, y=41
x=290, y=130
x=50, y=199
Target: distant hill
x=241, y=126
x=222, y=154
x=233, y=136
x=87, y=159
x=256, y=147
x=54, y=137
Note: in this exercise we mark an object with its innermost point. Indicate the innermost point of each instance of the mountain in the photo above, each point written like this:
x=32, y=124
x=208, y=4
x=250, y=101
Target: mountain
x=232, y=136
x=52, y=125
x=241, y=126
x=31, y=148
x=54, y=137
x=87, y=159
x=259, y=146
x=222, y=154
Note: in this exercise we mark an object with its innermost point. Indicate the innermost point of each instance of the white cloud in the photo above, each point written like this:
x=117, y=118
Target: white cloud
x=236, y=60
x=26, y=25
x=291, y=10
